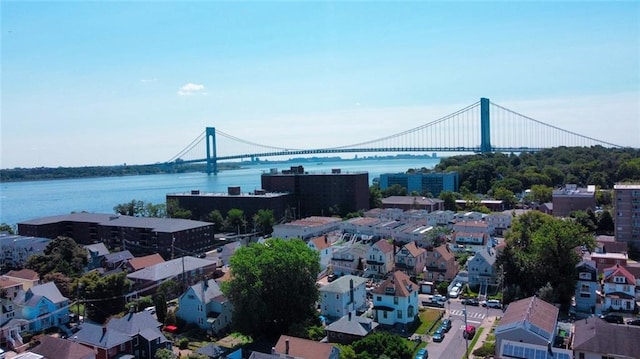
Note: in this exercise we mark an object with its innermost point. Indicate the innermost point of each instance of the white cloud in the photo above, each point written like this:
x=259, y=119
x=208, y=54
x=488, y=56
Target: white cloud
x=191, y=89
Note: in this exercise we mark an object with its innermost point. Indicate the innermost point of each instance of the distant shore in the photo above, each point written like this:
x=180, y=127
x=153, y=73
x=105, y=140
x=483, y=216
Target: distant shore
x=52, y=173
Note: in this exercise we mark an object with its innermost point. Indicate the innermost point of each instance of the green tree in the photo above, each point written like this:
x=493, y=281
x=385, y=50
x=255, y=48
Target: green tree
x=236, y=221
x=103, y=296
x=62, y=255
x=541, y=193
x=449, y=199
x=133, y=208
x=216, y=218
x=263, y=278
x=605, y=223
x=377, y=344
x=160, y=302
x=375, y=197
x=164, y=354
x=506, y=196
x=64, y=283
x=155, y=210
x=263, y=221
x=175, y=211
x=6, y=228
x=394, y=190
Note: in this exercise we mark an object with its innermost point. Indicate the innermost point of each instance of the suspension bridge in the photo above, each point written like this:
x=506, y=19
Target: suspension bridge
x=482, y=127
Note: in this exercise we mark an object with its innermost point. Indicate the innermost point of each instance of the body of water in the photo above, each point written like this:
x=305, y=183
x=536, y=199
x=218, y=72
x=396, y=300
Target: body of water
x=21, y=201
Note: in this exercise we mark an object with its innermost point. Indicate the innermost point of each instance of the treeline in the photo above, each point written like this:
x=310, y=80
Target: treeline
x=553, y=167
x=50, y=173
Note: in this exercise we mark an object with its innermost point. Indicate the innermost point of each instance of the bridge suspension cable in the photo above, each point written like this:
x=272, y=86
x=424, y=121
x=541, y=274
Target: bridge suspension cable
x=189, y=147
x=231, y=137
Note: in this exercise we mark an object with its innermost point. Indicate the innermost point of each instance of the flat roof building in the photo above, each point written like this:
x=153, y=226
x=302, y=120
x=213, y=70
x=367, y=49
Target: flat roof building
x=627, y=212
x=423, y=183
x=320, y=194
x=572, y=198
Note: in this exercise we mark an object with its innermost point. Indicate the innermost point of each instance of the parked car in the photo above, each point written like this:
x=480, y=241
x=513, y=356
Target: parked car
x=492, y=303
x=613, y=318
x=471, y=301
x=469, y=332
x=422, y=354
x=446, y=325
x=634, y=321
x=438, y=336
x=455, y=292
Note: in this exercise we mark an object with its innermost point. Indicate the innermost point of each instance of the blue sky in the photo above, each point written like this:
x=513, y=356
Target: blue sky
x=103, y=83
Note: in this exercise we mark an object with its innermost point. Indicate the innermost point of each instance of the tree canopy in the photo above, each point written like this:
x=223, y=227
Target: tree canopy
x=103, y=296
x=541, y=250
x=62, y=255
x=379, y=344
x=273, y=286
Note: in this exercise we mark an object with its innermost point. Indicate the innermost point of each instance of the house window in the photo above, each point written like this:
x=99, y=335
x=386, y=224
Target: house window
x=399, y=314
x=135, y=341
x=337, y=296
x=384, y=314
x=379, y=298
x=123, y=347
x=585, y=275
x=395, y=300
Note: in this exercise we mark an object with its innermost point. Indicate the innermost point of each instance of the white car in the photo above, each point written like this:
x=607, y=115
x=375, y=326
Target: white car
x=455, y=292
x=492, y=303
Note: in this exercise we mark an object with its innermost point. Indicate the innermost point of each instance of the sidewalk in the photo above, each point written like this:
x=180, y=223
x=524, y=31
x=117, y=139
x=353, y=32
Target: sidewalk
x=487, y=324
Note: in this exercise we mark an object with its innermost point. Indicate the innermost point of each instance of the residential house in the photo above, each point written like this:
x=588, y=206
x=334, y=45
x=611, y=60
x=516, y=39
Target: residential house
x=344, y=295
x=53, y=347
x=228, y=250
x=586, y=287
x=482, y=268
x=529, y=321
x=350, y=328
x=95, y=254
x=10, y=287
x=349, y=259
x=187, y=268
x=11, y=325
x=594, y=338
x=205, y=305
x=360, y=225
x=440, y=264
x=43, y=306
x=546, y=208
x=619, y=289
x=108, y=344
x=475, y=238
x=306, y=228
x=395, y=301
x=380, y=259
x=473, y=226
x=16, y=249
x=441, y=218
x=145, y=331
x=137, y=263
x=213, y=351
x=323, y=247
x=305, y=348
x=499, y=221
x=27, y=277
x=411, y=259
x=115, y=260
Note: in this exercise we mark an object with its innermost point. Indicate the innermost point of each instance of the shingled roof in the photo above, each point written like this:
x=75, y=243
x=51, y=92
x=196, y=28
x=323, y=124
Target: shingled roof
x=52, y=347
x=400, y=282
x=594, y=335
x=534, y=314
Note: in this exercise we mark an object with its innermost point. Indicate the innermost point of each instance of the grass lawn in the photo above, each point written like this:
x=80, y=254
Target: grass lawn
x=427, y=318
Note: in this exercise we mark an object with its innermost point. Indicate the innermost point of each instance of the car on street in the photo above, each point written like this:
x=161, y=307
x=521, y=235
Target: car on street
x=492, y=303
x=634, y=322
x=613, y=318
x=446, y=325
x=455, y=292
x=422, y=354
x=438, y=336
x=469, y=332
x=470, y=301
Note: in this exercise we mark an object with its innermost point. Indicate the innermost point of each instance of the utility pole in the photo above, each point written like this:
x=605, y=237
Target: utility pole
x=466, y=335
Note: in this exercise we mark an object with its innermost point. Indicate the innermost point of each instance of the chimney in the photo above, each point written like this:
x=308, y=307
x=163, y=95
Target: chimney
x=273, y=350
x=286, y=347
x=351, y=291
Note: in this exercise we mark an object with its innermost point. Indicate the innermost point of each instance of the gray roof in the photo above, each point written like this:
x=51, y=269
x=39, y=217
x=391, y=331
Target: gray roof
x=118, y=257
x=489, y=255
x=342, y=284
x=615, y=340
x=98, y=248
x=166, y=225
x=98, y=335
x=48, y=290
x=205, y=293
x=211, y=350
x=132, y=323
x=170, y=269
x=353, y=325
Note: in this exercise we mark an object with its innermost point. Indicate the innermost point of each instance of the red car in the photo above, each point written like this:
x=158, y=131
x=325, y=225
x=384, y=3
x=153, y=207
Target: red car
x=469, y=332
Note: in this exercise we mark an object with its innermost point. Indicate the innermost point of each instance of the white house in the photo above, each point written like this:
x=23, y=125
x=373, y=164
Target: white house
x=323, y=247
x=344, y=295
x=619, y=289
x=395, y=301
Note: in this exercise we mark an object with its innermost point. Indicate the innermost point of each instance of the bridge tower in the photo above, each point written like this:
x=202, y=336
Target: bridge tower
x=212, y=156
x=485, y=128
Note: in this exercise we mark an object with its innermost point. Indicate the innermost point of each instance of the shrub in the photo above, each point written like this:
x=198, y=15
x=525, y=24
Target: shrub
x=183, y=343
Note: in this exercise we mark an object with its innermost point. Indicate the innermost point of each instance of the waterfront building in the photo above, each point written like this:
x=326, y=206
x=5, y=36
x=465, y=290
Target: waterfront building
x=201, y=204
x=139, y=235
x=627, y=213
x=320, y=194
x=423, y=183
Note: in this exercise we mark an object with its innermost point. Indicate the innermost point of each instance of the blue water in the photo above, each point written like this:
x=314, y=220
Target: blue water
x=21, y=201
